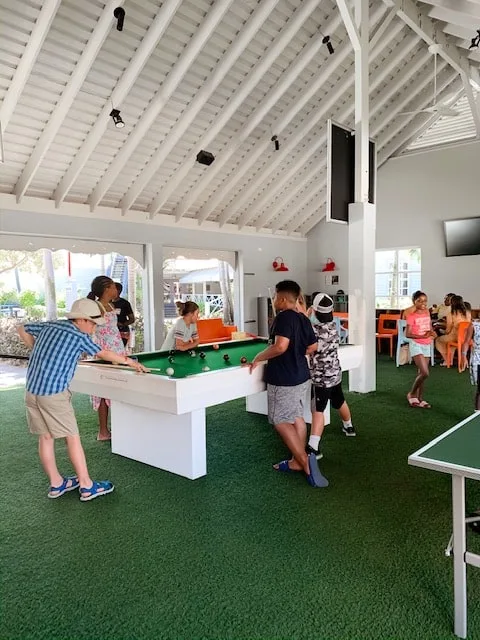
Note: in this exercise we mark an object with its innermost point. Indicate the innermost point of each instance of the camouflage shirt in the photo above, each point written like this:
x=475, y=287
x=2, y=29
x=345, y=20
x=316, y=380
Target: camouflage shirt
x=324, y=364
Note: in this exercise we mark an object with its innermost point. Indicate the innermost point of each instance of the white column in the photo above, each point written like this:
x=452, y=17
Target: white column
x=361, y=293
x=362, y=215
x=153, y=312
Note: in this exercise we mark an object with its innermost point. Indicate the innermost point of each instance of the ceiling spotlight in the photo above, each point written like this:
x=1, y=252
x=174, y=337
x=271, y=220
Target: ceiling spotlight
x=326, y=40
x=115, y=114
x=475, y=41
x=119, y=14
x=277, y=144
x=205, y=157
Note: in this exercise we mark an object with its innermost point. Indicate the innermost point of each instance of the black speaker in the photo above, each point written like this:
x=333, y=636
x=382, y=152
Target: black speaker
x=205, y=157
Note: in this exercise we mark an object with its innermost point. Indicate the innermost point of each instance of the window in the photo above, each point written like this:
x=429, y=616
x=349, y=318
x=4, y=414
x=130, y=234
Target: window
x=397, y=277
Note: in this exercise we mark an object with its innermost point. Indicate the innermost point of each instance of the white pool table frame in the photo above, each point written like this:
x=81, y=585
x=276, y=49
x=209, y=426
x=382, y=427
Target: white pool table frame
x=160, y=421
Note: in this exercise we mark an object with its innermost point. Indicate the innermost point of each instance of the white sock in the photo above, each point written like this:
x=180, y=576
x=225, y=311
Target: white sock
x=314, y=442
x=347, y=423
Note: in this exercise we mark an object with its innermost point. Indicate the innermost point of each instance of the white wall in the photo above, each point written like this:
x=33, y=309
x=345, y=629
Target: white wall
x=257, y=252
x=415, y=194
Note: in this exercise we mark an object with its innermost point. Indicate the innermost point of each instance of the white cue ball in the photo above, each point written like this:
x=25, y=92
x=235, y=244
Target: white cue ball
x=205, y=368
x=169, y=371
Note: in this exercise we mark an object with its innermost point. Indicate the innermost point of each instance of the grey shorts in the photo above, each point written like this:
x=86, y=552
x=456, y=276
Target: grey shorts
x=51, y=415
x=285, y=404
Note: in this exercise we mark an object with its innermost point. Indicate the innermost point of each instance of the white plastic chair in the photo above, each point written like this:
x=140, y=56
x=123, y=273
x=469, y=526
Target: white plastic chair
x=402, y=339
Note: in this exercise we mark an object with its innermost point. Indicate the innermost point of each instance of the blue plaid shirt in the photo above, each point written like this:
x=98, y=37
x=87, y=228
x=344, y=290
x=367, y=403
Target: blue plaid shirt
x=58, y=346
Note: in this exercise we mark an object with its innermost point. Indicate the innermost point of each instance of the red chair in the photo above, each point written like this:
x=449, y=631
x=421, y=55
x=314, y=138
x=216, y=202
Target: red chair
x=387, y=330
x=457, y=344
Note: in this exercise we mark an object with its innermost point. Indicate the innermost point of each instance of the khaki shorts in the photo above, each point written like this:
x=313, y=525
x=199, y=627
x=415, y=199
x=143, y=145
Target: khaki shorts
x=51, y=415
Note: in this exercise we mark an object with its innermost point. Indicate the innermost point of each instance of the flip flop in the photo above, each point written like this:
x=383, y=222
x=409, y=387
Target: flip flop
x=285, y=467
x=424, y=405
x=315, y=478
x=413, y=402
x=64, y=487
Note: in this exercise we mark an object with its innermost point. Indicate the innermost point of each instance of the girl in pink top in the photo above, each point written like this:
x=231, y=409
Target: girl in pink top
x=420, y=334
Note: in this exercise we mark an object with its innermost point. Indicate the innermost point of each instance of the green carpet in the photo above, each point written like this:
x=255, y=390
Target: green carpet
x=244, y=552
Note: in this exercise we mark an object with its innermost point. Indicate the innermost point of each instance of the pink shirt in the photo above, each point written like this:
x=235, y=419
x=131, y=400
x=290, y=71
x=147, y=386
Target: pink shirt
x=420, y=323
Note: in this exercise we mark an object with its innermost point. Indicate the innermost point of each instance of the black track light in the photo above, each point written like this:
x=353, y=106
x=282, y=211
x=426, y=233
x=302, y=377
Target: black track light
x=119, y=14
x=205, y=157
x=276, y=142
x=117, y=119
x=326, y=40
x=475, y=41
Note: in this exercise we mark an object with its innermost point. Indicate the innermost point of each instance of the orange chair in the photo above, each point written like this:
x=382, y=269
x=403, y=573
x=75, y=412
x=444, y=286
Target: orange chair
x=387, y=329
x=213, y=330
x=457, y=344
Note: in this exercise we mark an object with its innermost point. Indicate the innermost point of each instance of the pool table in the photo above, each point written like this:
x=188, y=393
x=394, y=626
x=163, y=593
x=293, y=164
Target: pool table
x=159, y=419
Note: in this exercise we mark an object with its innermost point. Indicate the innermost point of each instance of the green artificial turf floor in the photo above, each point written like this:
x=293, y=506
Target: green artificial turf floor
x=244, y=552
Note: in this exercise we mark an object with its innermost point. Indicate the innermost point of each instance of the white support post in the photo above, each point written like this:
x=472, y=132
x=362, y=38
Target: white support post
x=362, y=222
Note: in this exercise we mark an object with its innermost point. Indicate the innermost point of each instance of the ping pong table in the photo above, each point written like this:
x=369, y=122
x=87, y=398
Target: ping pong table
x=457, y=452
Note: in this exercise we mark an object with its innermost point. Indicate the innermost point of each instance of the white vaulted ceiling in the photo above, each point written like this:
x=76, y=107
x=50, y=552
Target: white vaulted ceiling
x=219, y=75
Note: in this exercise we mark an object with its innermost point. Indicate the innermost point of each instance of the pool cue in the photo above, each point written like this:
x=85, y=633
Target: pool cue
x=271, y=300
x=13, y=357
x=125, y=367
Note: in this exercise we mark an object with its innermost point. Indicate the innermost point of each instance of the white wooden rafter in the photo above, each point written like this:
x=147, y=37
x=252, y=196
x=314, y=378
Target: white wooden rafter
x=390, y=90
x=418, y=20
x=87, y=58
x=155, y=107
x=282, y=85
x=142, y=54
x=24, y=68
x=424, y=80
x=349, y=22
x=341, y=54
x=238, y=46
x=298, y=219
x=473, y=100
x=288, y=149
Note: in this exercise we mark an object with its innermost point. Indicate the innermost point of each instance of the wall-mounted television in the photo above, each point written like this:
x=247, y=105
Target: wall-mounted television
x=462, y=237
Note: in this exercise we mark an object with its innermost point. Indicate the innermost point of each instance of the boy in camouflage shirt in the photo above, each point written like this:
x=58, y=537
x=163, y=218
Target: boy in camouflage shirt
x=326, y=373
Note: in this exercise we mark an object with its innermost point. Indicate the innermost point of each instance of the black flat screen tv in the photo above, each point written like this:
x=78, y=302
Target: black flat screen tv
x=462, y=237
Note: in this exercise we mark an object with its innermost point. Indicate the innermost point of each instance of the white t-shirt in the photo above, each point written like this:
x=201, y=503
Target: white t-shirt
x=181, y=331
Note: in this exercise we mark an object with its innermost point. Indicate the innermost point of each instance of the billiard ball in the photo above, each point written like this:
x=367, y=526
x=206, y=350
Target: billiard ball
x=202, y=355
x=192, y=353
x=216, y=347
x=169, y=371
x=205, y=368
x=171, y=359
x=226, y=357
x=171, y=352
x=243, y=360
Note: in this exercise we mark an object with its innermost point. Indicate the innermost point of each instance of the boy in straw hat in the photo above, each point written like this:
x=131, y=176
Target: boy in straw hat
x=326, y=373
x=56, y=347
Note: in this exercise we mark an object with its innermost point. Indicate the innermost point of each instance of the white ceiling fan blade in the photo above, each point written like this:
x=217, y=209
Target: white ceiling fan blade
x=411, y=113
x=442, y=110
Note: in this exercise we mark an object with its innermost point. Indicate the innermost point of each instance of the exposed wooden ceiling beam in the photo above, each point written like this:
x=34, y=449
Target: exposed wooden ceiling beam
x=142, y=54
x=238, y=46
x=155, y=107
x=32, y=49
x=55, y=121
x=276, y=92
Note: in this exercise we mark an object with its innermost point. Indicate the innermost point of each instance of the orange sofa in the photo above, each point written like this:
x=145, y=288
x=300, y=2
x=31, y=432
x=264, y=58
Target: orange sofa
x=213, y=330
